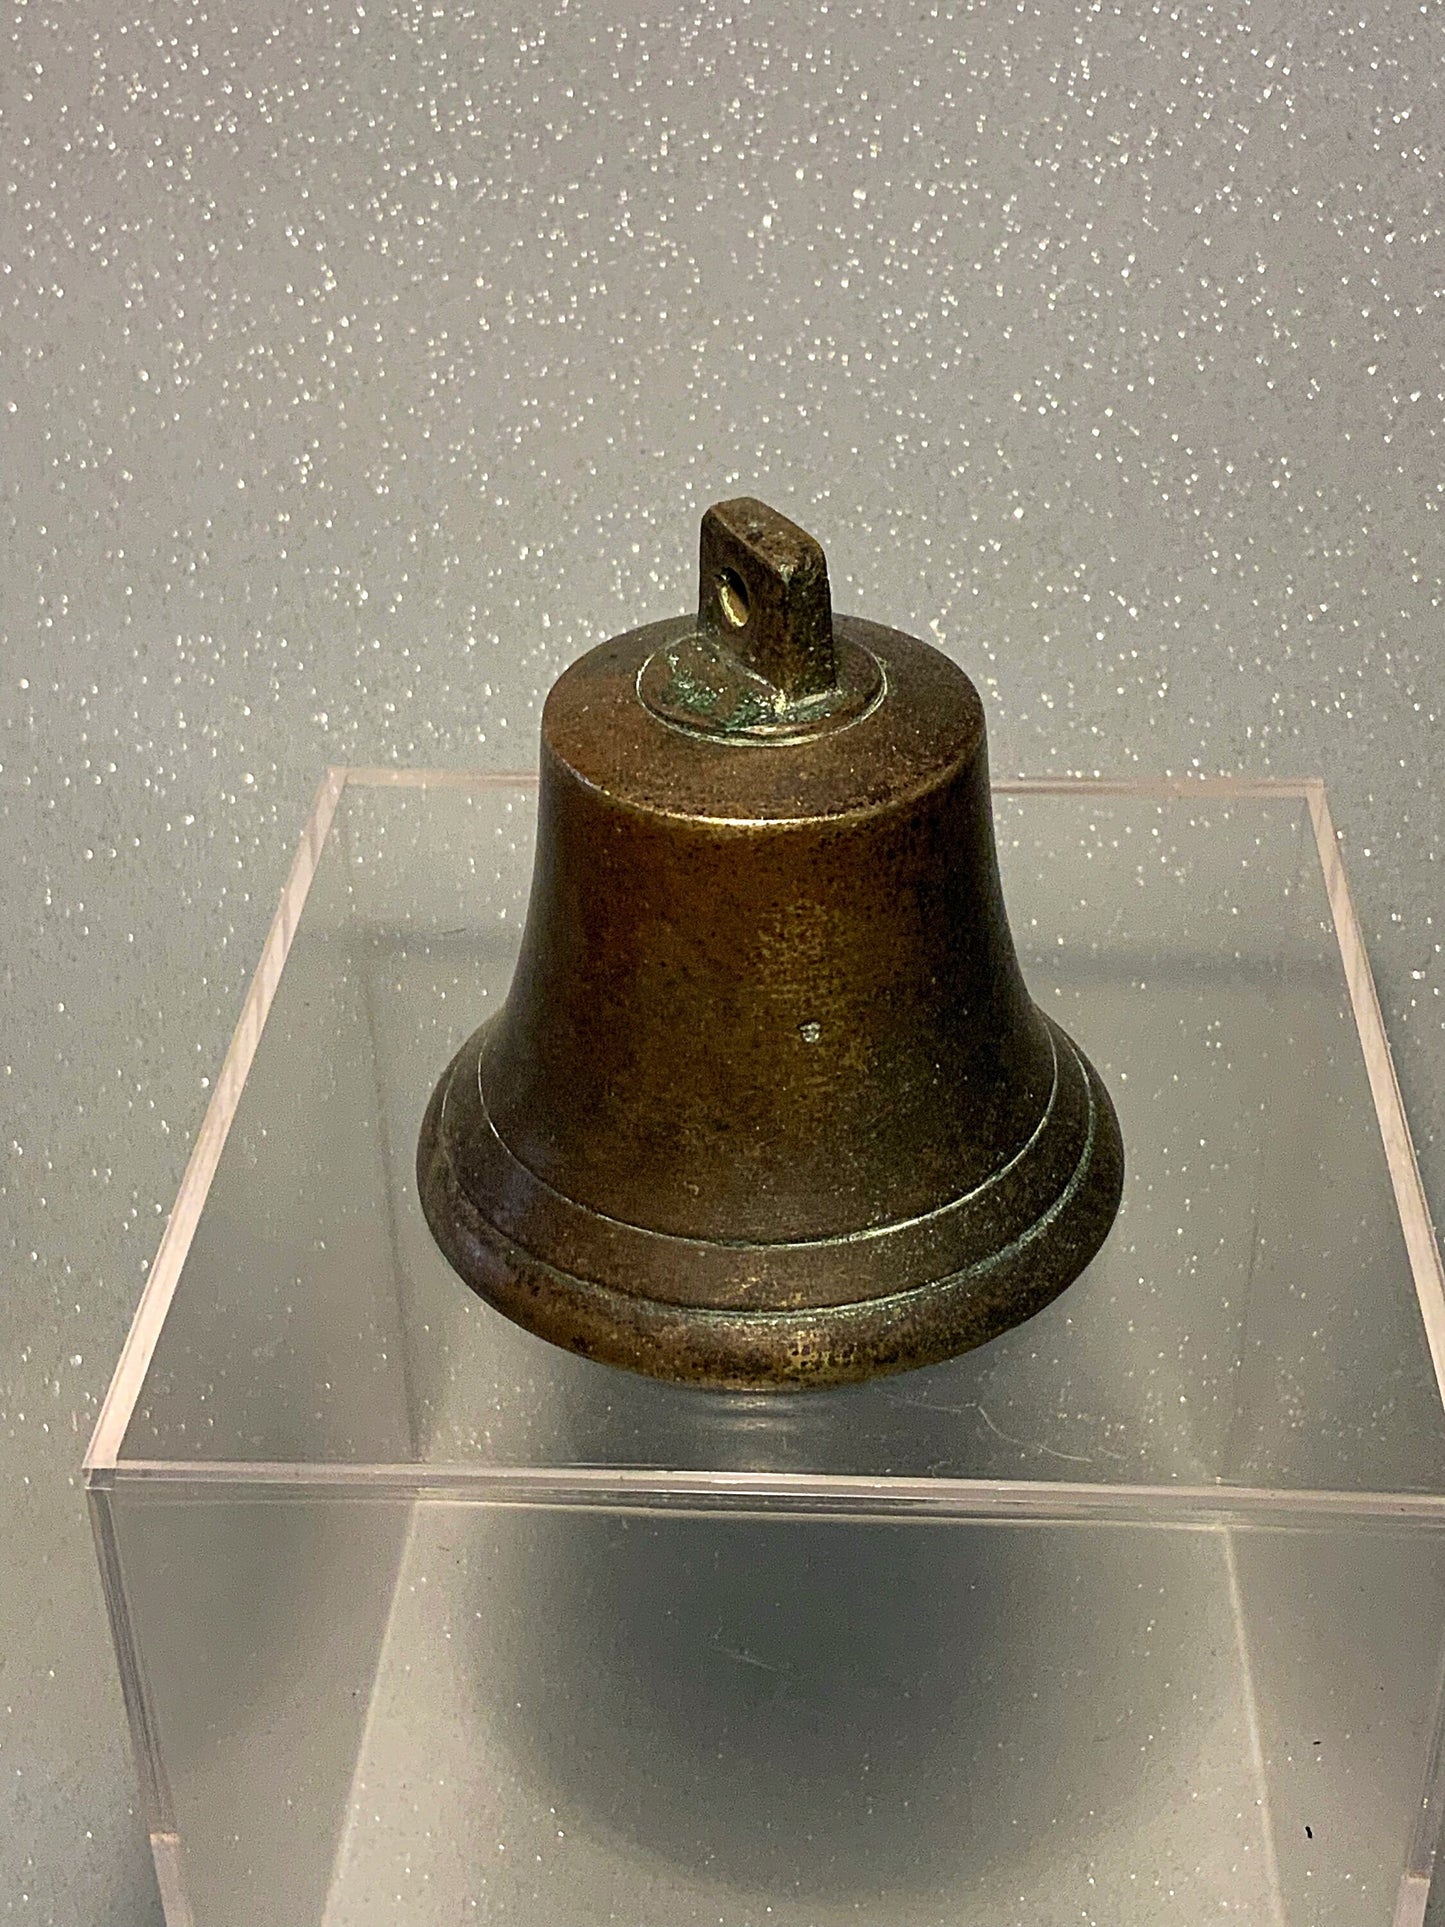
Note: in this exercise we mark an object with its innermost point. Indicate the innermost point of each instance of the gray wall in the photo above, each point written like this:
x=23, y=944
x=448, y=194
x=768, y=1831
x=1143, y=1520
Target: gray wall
x=360, y=368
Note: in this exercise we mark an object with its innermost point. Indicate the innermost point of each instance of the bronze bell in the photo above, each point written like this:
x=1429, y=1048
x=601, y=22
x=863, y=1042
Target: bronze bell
x=768, y=1104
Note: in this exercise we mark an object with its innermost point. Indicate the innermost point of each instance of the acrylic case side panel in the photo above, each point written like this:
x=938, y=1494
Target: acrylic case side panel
x=1344, y=1629
x=283, y=1337
x=252, y=1629
x=785, y=1722
x=1260, y=1249
x=442, y=1709
x=1336, y=1386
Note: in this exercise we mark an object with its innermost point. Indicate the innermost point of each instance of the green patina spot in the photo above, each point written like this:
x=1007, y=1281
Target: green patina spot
x=686, y=691
x=749, y=708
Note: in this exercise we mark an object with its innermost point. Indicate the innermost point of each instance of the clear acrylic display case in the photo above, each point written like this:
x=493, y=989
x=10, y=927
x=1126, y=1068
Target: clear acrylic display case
x=1136, y=1614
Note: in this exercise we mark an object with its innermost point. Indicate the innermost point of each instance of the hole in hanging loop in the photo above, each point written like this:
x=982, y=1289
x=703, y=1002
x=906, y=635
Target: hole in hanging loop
x=732, y=597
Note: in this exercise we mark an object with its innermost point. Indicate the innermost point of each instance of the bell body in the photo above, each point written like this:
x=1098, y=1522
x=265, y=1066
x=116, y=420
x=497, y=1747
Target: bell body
x=768, y=1103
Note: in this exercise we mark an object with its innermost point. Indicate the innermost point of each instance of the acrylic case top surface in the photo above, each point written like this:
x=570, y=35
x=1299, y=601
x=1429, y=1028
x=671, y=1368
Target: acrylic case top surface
x=1262, y=1326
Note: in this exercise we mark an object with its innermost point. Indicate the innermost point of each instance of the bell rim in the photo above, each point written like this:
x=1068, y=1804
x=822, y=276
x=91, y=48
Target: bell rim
x=783, y=1349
